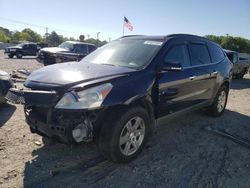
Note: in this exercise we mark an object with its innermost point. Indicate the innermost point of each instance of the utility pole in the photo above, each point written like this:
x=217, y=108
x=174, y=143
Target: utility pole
x=46, y=33
x=97, y=36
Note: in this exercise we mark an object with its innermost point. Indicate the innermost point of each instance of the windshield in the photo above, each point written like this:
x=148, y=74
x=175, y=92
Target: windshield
x=131, y=53
x=21, y=45
x=67, y=45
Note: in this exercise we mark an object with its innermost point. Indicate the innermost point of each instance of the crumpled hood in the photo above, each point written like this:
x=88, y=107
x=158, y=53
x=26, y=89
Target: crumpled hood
x=73, y=73
x=54, y=49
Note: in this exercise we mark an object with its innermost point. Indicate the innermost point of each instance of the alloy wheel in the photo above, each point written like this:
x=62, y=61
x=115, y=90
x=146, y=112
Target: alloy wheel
x=132, y=136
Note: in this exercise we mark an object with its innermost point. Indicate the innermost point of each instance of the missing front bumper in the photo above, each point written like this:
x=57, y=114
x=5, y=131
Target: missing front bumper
x=65, y=127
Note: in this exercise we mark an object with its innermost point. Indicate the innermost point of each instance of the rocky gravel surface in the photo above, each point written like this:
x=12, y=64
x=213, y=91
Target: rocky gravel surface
x=189, y=151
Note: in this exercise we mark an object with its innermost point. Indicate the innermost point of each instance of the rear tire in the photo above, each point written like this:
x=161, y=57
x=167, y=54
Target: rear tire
x=123, y=136
x=241, y=74
x=220, y=102
x=19, y=55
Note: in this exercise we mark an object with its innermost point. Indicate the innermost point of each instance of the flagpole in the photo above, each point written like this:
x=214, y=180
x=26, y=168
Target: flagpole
x=123, y=27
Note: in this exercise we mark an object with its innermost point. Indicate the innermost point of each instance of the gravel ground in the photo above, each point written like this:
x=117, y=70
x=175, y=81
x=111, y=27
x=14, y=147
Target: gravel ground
x=182, y=152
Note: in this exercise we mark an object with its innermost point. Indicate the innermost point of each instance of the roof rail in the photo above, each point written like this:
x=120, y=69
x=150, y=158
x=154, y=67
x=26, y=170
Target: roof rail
x=126, y=36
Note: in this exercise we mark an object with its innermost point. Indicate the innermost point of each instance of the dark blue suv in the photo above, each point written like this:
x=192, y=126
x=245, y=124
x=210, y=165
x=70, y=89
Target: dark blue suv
x=115, y=94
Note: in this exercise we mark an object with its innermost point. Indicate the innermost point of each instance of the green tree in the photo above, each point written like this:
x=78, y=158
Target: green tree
x=53, y=39
x=98, y=43
x=33, y=36
x=25, y=37
x=4, y=37
x=16, y=36
x=238, y=44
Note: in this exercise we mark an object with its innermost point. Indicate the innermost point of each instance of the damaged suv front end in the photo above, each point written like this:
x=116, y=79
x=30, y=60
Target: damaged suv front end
x=68, y=113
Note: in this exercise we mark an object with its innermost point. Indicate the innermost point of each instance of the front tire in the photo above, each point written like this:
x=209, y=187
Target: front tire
x=220, y=102
x=122, y=139
x=10, y=55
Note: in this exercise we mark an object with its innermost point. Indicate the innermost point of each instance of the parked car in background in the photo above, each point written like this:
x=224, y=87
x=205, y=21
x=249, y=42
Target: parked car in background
x=5, y=84
x=65, y=52
x=114, y=95
x=23, y=49
x=240, y=65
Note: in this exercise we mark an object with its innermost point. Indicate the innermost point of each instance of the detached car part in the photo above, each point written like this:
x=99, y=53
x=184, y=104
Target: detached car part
x=5, y=84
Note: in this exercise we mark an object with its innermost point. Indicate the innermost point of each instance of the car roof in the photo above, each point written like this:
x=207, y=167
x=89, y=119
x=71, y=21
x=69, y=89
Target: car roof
x=166, y=37
x=229, y=51
x=78, y=42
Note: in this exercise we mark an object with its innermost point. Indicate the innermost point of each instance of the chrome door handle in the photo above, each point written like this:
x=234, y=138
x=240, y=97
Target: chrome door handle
x=192, y=77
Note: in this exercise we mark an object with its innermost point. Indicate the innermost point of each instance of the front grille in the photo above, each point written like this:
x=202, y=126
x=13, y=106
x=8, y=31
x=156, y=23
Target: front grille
x=32, y=97
x=48, y=58
x=15, y=97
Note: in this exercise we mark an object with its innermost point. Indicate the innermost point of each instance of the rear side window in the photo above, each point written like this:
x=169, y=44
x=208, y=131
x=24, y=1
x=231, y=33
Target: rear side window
x=33, y=46
x=216, y=52
x=91, y=48
x=81, y=49
x=199, y=54
x=179, y=54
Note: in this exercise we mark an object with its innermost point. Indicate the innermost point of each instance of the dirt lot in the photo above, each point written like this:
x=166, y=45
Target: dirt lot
x=182, y=153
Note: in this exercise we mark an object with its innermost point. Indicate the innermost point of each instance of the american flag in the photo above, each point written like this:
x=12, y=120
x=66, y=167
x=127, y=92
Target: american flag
x=128, y=24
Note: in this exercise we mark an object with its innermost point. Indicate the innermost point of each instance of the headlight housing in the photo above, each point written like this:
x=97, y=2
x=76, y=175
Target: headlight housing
x=86, y=99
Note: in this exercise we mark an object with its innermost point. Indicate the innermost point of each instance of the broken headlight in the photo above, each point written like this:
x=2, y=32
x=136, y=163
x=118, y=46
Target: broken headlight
x=86, y=99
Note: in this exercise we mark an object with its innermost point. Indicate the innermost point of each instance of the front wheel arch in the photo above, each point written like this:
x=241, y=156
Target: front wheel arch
x=110, y=131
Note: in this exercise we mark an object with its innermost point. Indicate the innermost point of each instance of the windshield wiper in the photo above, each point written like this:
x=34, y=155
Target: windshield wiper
x=108, y=64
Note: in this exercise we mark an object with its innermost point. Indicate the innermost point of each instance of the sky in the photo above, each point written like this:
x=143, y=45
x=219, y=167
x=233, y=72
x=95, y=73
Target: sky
x=148, y=17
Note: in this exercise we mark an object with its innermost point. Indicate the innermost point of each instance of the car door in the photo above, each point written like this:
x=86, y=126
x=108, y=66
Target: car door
x=25, y=49
x=180, y=89
x=201, y=61
x=32, y=49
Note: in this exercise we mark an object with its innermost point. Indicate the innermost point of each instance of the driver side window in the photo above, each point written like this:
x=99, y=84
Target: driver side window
x=178, y=54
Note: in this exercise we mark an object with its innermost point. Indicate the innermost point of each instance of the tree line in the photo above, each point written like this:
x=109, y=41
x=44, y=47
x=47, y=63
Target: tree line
x=238, y=44
x=51, y=39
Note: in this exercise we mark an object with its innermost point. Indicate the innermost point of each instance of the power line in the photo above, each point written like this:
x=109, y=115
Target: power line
x=36, y=25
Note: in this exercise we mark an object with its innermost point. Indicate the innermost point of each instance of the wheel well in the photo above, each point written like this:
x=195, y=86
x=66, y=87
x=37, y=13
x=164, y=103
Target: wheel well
x=118, y=110
x=148, y=107
x=226, y=83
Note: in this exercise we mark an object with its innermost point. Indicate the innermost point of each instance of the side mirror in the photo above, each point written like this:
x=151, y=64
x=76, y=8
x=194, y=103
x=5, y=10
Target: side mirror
x=172, y=66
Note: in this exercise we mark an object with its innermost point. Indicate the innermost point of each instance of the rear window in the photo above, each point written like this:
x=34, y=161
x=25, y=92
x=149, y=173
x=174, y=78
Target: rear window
x=199, y=54
x=216, y=52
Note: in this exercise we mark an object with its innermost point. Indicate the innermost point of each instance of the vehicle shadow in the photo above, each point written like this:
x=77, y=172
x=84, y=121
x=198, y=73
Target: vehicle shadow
x=240, y=83
x=178, y=151
x=23, y=58
x=6, y=111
